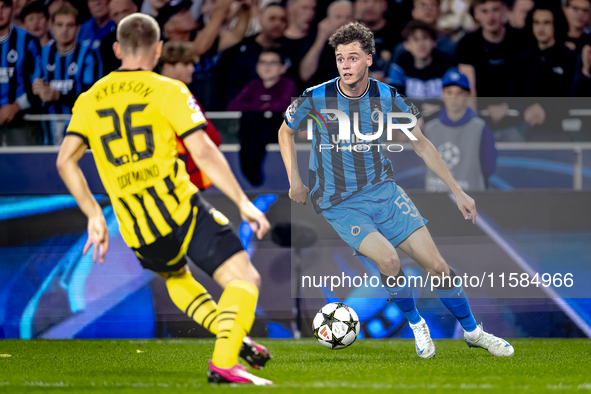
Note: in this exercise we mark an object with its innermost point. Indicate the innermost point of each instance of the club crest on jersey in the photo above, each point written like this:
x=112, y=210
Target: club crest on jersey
x=355, y=230
x=12, y=56
x=72, y=69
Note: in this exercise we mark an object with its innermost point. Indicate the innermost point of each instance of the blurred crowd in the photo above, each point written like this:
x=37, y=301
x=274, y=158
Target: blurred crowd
x=254, y=57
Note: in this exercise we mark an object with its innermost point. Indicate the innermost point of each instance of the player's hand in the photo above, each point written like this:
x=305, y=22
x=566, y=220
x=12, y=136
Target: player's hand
x=497, y=112
x=467, y=206
x=8, y=112
x=586, y=57
x=298, y=193
x=534, y=115
x=326, y=28
x=257, y=220
x=98, y=235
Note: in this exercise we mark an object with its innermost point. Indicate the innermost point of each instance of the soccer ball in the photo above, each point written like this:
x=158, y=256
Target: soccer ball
x=336, y=325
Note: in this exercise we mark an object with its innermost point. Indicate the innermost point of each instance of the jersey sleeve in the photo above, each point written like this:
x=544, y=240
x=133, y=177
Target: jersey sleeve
x=402, y=103
x=298, y=110
x=186, y=116
x=77, y=124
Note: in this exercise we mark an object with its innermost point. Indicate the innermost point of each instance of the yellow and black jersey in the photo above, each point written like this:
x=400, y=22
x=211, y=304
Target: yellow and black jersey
x=129, y=119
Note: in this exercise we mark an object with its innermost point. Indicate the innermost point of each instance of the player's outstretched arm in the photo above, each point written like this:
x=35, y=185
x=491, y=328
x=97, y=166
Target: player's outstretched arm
x=71, y=152
x=426, y=151
x=212, y=162
x=297, y=190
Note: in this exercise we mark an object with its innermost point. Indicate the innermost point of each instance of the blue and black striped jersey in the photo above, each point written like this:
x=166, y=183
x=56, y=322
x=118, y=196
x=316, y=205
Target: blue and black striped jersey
x=90, y=34
x=337, y=169
x=17, y=63
x=70, y=73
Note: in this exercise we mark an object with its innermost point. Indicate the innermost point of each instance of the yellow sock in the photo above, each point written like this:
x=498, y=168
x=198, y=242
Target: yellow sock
x=236, y=312
x=192, y=298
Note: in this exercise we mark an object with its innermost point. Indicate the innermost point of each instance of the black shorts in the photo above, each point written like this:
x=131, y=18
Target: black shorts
x=213, y=241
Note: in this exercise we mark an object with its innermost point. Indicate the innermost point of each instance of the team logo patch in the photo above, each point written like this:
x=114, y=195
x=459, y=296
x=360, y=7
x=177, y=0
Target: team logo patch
x=72, y=69
x=192, y=103
x=375, y=115
x=12, y=56
x=355, y=230
x=219, y=217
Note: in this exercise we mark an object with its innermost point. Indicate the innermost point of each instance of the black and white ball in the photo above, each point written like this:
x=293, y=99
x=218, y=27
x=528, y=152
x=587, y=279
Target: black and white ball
x=336, y=325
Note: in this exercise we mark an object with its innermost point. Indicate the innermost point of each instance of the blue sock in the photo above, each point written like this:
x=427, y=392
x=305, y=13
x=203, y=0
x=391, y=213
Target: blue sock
x=456, y=302
x=403, y=298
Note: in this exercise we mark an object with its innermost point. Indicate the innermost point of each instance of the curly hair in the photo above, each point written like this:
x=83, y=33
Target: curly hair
x=352, y=32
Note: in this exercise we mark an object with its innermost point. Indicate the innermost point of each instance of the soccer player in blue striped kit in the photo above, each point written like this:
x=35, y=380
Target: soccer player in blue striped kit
x=355, y=191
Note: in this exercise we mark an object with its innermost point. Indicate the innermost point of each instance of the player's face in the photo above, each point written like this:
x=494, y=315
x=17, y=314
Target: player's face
x=420, y=44
x=5, y=15
x=543, y=26
x=303, y=12
x=119, y=9
x=36, y=24
x=426, y=11
x=519, y=13
x=490, y=15
x=454, y=98
x=269, y=66
x=352, y=63
x=64, y=29
x=98, y=8
x=370, y=11
x=274, y=22
x=578, y=13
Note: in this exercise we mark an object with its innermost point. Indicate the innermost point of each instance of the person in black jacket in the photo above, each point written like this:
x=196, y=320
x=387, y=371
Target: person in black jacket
x=546, y=70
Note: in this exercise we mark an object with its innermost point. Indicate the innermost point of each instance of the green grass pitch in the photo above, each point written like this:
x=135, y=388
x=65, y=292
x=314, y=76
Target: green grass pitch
x=179, y=366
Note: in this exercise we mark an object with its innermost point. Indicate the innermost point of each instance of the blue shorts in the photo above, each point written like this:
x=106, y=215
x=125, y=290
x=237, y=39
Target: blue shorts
x=384, y=208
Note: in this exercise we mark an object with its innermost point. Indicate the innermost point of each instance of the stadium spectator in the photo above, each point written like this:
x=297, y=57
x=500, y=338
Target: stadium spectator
x=36, y=21
x=17, y=7
x=16, y=69
x=99, y=25
x=65, y=69
x=53, y=5
x=582, y=83
x=518, y=11
x=118, y=9
x=177, y=62
x=153, y=7
x=423, y=65
x=463, y=140
x=177, y=22
x=237, y=66
x=271, y=91
x=216, y=36
x=545, y=71
x=262, y=102
x=428, y=11
x=487, y=56
x=372, y=13
x=578, y=14
x=300, y=34
x=455, y=17
x=548, y=69
x=339, y=13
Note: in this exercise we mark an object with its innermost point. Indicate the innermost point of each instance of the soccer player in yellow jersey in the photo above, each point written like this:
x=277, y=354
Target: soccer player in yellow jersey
x=129, y=119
